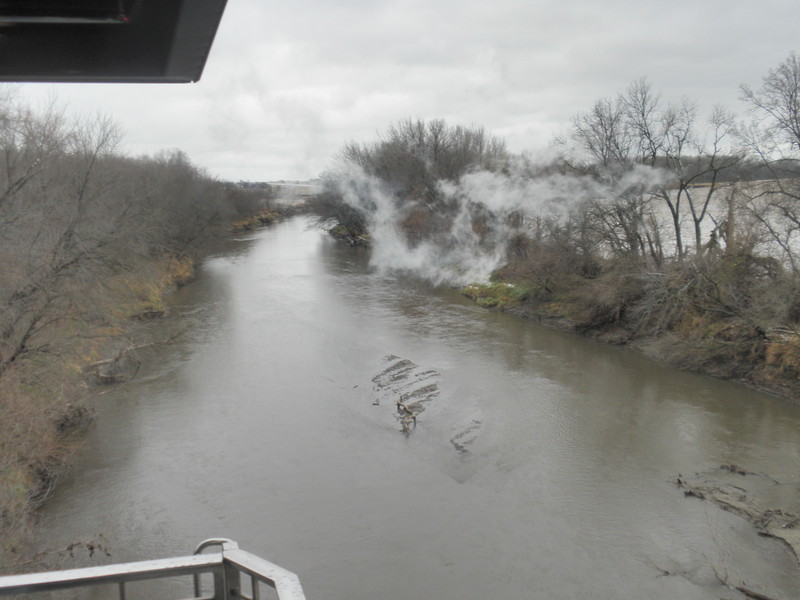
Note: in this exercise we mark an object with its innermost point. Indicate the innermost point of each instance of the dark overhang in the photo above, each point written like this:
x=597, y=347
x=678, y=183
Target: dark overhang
x=160, y=41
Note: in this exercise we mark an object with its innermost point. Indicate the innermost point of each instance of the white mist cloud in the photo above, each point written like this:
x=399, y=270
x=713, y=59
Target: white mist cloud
x=460, y=254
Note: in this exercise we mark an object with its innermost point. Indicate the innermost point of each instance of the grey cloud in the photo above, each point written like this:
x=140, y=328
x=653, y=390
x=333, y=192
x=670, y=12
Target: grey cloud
x=288, y=83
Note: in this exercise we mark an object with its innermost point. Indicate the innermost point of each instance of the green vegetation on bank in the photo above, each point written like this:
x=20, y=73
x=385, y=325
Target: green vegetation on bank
x=91, y=242
x=500, y=295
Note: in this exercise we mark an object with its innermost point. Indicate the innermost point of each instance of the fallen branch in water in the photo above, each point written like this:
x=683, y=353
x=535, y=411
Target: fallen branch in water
x=125, y=364
x=407, y=416
x=44, y=558
x=740, y=471
x=724, y=580
x=777, y=522
x=751, y=594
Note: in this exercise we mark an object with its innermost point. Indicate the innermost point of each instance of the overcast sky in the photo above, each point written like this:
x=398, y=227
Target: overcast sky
x=288, y=83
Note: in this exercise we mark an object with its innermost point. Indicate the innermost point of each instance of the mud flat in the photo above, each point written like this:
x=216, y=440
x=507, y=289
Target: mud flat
x=773, y=507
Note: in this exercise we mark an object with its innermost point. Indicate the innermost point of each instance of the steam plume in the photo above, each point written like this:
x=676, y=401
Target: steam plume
x=459, y=253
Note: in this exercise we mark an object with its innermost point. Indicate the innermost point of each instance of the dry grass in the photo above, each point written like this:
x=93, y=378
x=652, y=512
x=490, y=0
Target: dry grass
x=37, y=416
x=727, y=316
x=42, y=398
x=781, y=368
x=260, y=219
x=142, y=293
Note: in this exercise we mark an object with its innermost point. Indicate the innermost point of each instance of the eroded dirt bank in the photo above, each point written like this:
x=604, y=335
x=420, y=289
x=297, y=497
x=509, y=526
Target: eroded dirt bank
x=728, y=349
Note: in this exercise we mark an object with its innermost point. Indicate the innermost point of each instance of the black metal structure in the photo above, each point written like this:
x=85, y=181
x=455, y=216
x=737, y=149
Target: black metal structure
x=130, y=41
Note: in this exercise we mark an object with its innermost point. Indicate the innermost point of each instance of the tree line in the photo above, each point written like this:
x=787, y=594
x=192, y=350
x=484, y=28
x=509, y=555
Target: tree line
x=410, y=160
x=74, y=211
x=85, y=231
x=678, y=224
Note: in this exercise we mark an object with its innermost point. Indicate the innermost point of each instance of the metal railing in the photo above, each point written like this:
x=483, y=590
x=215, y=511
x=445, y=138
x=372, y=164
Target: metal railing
x=228, y=567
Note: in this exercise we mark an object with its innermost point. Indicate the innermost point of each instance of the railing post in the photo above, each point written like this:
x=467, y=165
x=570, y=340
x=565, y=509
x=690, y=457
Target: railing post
x=233, y=579
x=233, y=582
x=226, y=567
x=220, y=592
x=228, y=583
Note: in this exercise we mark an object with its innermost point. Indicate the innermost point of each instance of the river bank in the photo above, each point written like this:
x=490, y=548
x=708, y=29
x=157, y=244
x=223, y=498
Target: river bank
x=706, y=336
x=260, y=423
x=47, y=398
x=721, y=346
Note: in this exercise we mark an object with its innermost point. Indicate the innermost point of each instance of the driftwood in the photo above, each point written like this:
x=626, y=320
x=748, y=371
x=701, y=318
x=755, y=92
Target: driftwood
x=125, y=364
x=409, y=386
x=737, y=490
x=741, y=497
x=351, y=240
x=724, y=579
x=117, y=369
x=751, y=593
x=408, y=414
x=357, y=240
x=149, y=315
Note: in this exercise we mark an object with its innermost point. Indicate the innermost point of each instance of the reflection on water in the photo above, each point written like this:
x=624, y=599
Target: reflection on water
x=260, y=425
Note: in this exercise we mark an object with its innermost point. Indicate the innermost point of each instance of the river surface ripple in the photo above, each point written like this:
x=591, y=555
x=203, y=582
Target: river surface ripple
x=543, y=467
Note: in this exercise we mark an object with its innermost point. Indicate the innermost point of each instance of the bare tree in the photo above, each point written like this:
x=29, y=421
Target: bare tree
x=776, y=106
x=27, y=142
x=410, y=160
x=669, y=138
x=774, y=138
x=57, y=234
x=636, y=128
x=604, y=133
x=701, y=175
x=609, y=146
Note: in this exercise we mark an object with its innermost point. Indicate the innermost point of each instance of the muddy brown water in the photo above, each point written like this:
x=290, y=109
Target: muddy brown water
x=542, y=467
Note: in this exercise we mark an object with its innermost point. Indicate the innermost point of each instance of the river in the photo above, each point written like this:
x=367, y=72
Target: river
x=543, y=468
